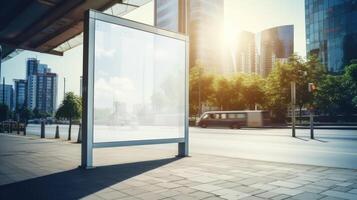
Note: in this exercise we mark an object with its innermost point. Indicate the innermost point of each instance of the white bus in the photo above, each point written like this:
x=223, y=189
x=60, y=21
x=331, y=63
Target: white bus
x=234, y=119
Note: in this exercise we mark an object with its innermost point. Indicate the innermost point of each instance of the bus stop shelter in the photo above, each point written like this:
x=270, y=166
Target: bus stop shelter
x=55, y=26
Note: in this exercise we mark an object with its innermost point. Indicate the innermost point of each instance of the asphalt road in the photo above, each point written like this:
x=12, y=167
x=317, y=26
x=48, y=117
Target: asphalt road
x=334, y=148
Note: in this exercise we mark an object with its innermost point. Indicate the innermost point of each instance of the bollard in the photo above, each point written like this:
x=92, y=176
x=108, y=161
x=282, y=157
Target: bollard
x=79, y=138
x=42, y=129
x=9, y=128
x=18, y=128
x=57, y=133
x=311, y=124
x=25, y=124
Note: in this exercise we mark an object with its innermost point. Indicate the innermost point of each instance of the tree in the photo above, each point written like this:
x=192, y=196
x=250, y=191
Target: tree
x=222, y=95
x=25, y=114
x=70, y=109
x=279, y=80
x=4, y=112
x=253, y=91
x=200, y=89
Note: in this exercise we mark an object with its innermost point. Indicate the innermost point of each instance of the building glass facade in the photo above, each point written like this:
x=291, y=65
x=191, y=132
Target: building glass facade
x=276, y=44
x=41, y=87
x=205, y=28
x=331, y=32
x=20, y=93
x=6, y=95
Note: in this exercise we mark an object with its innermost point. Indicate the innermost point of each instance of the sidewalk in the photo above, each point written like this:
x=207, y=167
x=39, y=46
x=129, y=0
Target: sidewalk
x=32, y=168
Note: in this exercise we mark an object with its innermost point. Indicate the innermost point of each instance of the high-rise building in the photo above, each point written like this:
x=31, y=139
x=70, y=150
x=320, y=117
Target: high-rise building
x=170, y=15
x=41, y=87
x=331, y=32
x=276, y=44
x=246, y=52
x=46, y=93
x=6, y=95
x=20, y=93
x=205, y=29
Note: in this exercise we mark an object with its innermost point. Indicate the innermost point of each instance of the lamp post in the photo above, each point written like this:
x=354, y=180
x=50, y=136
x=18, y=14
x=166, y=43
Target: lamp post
x=293, y=102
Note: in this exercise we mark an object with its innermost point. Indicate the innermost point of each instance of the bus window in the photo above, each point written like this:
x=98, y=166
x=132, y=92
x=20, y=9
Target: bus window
x=216, y=116
x=205, y=116
x=211, y=116
x=231, y=116
x=224, y=116
x=240, y=116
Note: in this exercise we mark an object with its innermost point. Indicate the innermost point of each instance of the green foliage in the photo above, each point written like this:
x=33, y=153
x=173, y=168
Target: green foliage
x=4, y=112
x=336, y=94
x=200, y=89
x=71, y=107
x=278, y=85
x=25, y=114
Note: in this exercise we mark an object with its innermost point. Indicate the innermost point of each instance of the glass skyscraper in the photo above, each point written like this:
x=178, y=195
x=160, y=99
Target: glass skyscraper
x=20, y=93
x=276, y=44
x=331, y=32
x=205, y=28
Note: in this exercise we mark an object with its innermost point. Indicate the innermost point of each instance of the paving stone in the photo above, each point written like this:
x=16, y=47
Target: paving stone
x=285, y=184
x=201, y=195
x=280, y=197
x=312, y=188
x=112, y=195
x=341, y=189
x=307, y=195
x=267, y=195
x=342, y=195
x=287, y=191
x=206, y=187
x=354, y=191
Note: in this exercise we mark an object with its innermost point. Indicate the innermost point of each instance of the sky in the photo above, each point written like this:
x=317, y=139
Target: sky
x=248, y=15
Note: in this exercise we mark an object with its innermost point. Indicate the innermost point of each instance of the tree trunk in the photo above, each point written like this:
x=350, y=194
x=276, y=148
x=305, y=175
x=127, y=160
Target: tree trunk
x=69, y=129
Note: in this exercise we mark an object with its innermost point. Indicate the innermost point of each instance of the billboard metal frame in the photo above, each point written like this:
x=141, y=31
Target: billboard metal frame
x=88, y=87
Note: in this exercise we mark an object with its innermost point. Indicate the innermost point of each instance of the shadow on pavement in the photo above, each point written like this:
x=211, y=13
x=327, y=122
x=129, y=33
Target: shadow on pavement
x=77, y=183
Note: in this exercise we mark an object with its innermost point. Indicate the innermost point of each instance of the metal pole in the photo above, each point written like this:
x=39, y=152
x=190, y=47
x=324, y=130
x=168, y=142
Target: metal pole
x=64, y=87
x=0, y=60
x=311, y=124
x=3, y=91
x=293, y=101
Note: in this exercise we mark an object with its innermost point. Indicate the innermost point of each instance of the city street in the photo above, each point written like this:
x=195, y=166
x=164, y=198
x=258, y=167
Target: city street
x=333, y=148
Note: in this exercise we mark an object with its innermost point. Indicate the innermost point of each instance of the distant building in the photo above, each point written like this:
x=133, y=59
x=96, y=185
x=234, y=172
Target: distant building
x=170, y=15
x=331, y=32
x=6, y=95
x=46, y=94
x=246, y=52
x=41, y=87
x=205, y=28
x=20, y=93
x=276, y=44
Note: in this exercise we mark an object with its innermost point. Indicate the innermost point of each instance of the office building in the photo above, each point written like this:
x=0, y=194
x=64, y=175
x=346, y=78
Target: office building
x=20, y=93
x=46, y=93
x=6, y=95
x=205, y=29
x=246, y=52
x=331, y=32
x=41, y=87
x=276, y=45
x=170, y=15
